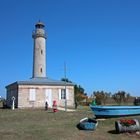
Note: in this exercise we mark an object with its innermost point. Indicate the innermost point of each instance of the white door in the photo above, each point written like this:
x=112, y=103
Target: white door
x=48, y=94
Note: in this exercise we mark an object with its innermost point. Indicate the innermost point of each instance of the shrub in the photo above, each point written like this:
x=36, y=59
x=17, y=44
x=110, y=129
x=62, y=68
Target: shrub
x=121, y=97
x=137, y=101
x=101, y=97
x=3, y=103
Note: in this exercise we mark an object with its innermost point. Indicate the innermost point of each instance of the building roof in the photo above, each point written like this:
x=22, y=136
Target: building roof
x=42, y=81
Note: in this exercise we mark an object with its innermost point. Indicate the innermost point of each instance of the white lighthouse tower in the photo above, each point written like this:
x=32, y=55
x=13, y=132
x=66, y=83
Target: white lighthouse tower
x=39, y=54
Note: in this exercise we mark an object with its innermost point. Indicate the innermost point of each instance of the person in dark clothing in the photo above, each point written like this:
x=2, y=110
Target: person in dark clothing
x=46, y=105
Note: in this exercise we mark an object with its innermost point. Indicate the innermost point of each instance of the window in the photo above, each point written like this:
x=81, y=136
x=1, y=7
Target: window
x=63, y=95
x=32, y=95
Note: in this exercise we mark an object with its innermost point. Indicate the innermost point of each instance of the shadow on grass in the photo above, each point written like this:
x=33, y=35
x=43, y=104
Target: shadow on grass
x=78, y=126
x=112, y=132
x=50, y=112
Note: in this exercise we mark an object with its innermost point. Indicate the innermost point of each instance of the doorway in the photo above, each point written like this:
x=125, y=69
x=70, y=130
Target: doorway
x=48, y=94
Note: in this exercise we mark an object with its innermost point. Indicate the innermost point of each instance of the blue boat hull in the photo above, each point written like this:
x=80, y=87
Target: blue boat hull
x=115, y=111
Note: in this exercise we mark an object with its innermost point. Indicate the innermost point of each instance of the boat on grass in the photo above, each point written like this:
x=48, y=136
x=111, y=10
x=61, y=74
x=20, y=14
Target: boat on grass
x=114, y=111
x=87, y=124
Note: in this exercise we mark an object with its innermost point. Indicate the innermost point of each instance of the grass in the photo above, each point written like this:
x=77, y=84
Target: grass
x=46, y=125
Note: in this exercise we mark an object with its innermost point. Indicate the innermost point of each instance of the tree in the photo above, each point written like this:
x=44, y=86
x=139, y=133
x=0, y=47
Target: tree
x=79, y=93
x=101, y=97
x=120, y=97
x=66, y=80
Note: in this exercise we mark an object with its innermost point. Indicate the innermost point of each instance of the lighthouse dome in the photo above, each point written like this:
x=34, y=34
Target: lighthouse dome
x=39, y=25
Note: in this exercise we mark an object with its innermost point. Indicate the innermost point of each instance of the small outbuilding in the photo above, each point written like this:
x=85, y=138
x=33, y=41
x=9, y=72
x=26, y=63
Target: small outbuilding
x=35, y=92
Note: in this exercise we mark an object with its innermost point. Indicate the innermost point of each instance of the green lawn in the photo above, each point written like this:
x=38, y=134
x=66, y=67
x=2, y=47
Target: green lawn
x=46, y=125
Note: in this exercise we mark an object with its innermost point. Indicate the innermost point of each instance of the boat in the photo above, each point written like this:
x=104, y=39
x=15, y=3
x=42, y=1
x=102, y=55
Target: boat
x=87, y=124
x=114, y=111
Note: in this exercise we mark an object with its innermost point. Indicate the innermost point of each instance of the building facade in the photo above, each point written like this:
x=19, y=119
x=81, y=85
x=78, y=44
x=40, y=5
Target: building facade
x=35, y=92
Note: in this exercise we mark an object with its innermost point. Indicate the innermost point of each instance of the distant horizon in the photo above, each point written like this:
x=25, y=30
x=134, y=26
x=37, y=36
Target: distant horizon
x=98, y=40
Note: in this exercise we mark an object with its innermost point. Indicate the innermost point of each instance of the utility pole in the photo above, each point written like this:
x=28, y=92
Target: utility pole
x=65, y=87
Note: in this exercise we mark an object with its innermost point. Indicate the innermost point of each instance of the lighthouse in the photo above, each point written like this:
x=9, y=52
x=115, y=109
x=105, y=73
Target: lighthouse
x=40, y=89
x=39, y=51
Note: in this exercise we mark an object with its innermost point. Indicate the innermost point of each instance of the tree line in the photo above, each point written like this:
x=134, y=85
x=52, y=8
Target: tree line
x=101, y=97
x=119, y=97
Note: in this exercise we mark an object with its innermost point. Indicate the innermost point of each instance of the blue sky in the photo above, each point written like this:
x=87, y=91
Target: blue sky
x=98, y=39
